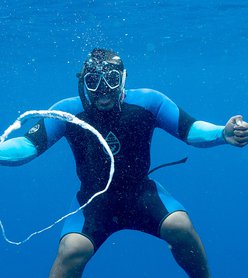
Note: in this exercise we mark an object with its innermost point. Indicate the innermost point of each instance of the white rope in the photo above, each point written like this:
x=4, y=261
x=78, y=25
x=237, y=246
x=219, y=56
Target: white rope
x=63, y=116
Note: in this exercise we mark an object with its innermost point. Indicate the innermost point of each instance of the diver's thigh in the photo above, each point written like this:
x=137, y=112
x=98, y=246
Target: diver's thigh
x=74, y=252
x=75, y=244
x=176, y=224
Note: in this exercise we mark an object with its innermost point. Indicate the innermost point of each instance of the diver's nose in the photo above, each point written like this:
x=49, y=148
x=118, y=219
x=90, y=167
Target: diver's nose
x=103, y=87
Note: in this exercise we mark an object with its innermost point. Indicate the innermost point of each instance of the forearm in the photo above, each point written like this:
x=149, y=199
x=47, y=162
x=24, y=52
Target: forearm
x=17, y=151
x=204, y=135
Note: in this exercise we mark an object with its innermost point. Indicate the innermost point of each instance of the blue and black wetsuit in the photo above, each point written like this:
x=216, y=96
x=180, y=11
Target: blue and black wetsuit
x=133, y=201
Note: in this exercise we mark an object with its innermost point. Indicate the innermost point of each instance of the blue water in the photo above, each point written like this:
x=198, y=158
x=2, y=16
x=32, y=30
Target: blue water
x=193, y=51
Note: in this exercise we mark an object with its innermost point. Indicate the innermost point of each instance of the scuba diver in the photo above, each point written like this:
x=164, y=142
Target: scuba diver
x=126, y=119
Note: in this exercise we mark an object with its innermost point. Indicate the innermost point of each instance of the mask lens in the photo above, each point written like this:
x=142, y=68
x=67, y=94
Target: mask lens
x=112, y=78
x=92, y=81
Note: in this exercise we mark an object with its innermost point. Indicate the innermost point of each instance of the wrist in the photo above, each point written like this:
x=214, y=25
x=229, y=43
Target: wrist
x=224, y=136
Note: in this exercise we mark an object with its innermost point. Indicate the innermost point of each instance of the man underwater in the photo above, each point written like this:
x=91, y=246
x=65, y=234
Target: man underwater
x=126, y=119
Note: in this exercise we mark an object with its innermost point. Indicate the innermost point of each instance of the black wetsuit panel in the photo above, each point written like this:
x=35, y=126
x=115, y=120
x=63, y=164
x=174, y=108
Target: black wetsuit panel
x=133, y=201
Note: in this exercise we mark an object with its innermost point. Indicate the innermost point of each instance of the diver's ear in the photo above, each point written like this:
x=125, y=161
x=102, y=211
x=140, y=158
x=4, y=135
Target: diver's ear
x=79, y=75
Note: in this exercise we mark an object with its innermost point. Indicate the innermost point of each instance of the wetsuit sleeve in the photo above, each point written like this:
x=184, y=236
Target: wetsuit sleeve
x=174, y=120
x=169, y=116
x=45, y=133
x=17, y=151
x=48, y=131
x=196, y=133
x=203, y=134
x=180, y=124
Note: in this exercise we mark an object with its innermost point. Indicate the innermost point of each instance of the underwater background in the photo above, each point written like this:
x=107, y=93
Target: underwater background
x=193, y=51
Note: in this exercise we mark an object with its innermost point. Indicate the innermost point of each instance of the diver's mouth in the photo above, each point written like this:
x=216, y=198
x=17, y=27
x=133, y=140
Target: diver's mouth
x=104, y=100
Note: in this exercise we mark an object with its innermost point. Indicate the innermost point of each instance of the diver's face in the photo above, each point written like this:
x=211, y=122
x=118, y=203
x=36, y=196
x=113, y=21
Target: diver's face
x=104, y=99
x=104, y=89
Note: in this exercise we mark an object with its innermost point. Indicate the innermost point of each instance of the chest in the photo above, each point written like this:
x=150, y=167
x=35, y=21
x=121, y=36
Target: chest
x=128, y=131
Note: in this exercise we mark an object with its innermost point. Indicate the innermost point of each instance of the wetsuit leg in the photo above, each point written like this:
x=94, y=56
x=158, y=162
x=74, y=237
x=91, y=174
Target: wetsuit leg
x=159, y=214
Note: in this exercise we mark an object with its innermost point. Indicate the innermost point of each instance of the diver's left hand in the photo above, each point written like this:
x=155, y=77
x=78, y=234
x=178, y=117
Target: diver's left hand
x=236, y=131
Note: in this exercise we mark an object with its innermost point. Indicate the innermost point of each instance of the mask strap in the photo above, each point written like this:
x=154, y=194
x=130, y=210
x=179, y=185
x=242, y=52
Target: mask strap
x=122, y=93
x=124, y=76
x=85, y=92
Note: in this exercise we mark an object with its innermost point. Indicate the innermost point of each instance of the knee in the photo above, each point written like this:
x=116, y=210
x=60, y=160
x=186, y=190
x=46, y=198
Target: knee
x=176, y=228
x=75, y=249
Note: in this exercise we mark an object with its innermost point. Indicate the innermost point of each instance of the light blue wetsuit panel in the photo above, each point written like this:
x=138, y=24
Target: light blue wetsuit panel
x=204, y=135
x=74, y=223
x=169, y=202
x=17, y=151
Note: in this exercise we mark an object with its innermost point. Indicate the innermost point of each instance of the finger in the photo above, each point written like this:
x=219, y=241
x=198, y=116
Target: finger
x=240, y=139
x=240, y=144
x=240, y=128
x=241, y=133
x=236, y=119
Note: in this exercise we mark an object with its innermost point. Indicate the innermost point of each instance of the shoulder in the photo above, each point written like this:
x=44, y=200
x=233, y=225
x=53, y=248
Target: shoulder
x=71, y=105
x=147, y=98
